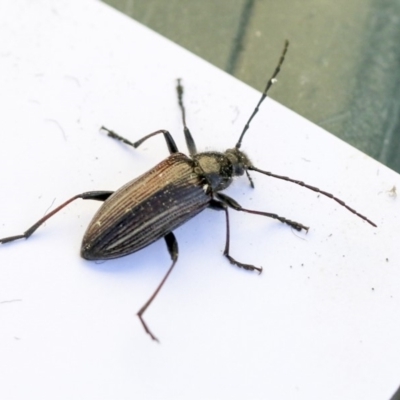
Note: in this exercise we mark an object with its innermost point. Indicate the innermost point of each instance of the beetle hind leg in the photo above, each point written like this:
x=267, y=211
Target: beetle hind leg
x=95, y=195
x=172, y=246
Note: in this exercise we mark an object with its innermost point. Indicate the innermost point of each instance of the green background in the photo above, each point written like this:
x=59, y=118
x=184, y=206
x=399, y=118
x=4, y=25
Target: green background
x=343, y=67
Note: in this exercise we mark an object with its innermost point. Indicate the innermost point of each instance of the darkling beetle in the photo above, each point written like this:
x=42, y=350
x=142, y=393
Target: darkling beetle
x=151, y=206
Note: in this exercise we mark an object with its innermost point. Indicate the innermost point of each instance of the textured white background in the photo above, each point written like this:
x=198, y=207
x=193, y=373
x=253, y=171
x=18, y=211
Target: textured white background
x=322, y=321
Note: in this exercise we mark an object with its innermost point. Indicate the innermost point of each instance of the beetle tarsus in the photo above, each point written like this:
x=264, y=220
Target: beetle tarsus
x=146, y=328
x=115, y=135
x=293, y=224
x=247, y=267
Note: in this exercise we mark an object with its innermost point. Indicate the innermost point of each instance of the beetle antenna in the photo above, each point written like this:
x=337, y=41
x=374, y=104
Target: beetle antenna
x=271, y=81
x=314, y=189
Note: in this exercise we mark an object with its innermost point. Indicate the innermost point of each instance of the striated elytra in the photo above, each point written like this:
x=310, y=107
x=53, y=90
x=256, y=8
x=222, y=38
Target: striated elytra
x=151, y=206
x=146, y=209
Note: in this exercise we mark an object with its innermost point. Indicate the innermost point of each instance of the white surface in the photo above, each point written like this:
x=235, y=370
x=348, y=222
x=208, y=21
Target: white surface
x=321, y=322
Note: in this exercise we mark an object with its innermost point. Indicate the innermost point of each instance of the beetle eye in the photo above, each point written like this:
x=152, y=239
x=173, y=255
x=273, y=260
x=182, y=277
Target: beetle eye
x=238, y=169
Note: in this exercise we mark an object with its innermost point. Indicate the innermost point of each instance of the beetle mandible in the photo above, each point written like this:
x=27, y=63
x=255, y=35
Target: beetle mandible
x=151, y=206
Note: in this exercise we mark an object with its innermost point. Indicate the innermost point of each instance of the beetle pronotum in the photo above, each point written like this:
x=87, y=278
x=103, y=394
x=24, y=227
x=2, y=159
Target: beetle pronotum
x=151, y=206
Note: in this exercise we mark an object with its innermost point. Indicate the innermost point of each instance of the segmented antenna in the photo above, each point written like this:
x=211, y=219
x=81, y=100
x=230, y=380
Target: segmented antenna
x=314, y=189
x=264, y=95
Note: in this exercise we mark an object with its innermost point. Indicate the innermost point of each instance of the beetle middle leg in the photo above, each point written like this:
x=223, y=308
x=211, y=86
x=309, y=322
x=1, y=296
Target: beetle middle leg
x=172, y=147
x=172, y=246
x=220, y=206
x=94, y=195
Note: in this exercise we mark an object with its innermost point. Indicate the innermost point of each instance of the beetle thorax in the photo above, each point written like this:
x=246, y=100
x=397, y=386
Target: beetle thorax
x=218, y=169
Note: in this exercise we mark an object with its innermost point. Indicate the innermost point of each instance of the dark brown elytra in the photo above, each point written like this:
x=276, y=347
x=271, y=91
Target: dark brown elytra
x=151, y=206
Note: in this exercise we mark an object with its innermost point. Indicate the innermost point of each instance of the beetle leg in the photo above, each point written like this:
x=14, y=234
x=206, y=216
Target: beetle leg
x=96, y=195
x=249, y=178
x=172, y=246
x=220, y=206
x=188, y=136
x=172, y=147
x=236, y=206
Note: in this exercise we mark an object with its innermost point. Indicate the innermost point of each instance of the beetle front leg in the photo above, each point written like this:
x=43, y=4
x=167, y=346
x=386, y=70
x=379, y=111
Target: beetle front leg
x=172, y=246
x=191, y=145
x=220, y=206
x=236, y=206
x=96, y=195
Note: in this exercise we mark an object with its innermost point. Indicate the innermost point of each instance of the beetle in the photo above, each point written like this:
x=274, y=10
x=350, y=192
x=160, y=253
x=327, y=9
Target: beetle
x=151, y=206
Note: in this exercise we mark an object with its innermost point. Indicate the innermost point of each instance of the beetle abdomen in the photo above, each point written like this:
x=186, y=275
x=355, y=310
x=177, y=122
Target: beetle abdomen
x=146, y=209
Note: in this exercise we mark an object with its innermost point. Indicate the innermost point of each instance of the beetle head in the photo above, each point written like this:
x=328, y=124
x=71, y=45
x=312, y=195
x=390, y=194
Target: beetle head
x=218, y=169
x=239, y=161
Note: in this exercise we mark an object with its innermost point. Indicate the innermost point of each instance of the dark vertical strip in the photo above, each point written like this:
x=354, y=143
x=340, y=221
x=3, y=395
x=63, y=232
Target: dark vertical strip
x=396, y=396
x=374, y=104
x=237, y=45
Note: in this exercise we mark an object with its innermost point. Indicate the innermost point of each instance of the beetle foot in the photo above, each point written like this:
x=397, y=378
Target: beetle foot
x=247, y=267
x=146, y=328
x=296, y=225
